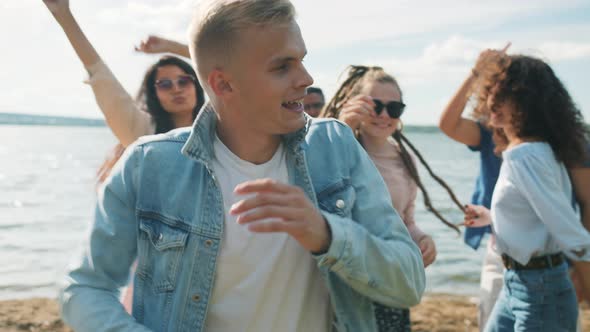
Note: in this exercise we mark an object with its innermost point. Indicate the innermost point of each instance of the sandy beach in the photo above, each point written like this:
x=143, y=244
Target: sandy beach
x=437, y=313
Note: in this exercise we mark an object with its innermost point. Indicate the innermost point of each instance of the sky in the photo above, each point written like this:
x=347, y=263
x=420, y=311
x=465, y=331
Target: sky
x=429, y=46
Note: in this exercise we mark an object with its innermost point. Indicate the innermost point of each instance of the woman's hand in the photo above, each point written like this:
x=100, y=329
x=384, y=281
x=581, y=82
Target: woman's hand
x=428, y=250
x=580, y=275
x=488, y=56
x=356, y=110
x=477, y=216
x=58, y=8
x=154, y=45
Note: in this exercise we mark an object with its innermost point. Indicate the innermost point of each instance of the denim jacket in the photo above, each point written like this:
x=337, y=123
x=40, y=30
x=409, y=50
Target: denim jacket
x=162, y=206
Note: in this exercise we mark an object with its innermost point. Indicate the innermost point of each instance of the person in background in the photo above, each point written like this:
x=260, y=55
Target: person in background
x=170, y=95
x=476, y=133
x=313, y=101
x=370, y=102
x=542, y=134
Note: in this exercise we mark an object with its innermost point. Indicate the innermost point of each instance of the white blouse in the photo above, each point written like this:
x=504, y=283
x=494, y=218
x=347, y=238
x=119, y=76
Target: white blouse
x=532, y=210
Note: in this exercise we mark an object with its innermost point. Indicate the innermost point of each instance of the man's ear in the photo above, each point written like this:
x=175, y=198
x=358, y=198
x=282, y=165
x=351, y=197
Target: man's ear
x=219, y=83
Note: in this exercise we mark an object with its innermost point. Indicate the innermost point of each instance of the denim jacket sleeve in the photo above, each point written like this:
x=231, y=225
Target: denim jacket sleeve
x=372, y=251
x=90, y=297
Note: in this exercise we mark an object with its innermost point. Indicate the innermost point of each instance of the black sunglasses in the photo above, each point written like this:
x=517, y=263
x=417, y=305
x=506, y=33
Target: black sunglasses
x=395, y=109
x=182, y=82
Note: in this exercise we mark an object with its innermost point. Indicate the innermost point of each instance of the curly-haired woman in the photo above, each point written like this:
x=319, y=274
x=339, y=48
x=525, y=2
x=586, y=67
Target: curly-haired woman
x=531, y=213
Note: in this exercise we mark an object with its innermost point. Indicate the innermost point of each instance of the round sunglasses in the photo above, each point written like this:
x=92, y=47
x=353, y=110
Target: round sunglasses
x=395, y=109
x=181, y=82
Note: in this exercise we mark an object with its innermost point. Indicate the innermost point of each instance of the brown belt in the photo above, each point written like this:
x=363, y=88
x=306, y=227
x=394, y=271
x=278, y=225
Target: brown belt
x=535, y=263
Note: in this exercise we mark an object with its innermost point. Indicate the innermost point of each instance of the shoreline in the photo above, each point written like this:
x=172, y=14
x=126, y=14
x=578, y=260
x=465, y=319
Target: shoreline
x=436, y=313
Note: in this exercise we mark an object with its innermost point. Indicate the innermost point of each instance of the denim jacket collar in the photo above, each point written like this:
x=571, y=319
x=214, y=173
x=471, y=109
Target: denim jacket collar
x=199, y=145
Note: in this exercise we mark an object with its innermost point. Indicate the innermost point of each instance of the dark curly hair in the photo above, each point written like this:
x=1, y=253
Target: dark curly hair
x=148, y=99
x=543, y=108
x=493, y=71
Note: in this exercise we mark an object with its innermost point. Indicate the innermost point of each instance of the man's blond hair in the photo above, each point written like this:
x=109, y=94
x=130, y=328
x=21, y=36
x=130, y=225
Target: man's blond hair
x=216, y=25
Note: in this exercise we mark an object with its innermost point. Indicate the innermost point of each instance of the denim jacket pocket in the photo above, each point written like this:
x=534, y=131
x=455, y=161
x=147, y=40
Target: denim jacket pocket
x=338, y=198
x=160, y=250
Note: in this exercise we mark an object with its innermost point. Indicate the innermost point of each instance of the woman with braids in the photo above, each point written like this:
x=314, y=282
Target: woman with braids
x=370, y=102
x=531, y=213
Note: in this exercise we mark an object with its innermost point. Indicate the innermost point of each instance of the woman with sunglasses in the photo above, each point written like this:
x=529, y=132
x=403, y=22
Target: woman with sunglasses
x=370, y=102
x=170, y=96
x=541, y=134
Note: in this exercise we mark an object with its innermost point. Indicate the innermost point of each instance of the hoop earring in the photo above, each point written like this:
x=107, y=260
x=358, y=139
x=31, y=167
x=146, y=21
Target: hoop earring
x=400, y=126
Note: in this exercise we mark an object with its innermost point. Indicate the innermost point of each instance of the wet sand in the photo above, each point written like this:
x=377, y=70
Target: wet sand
x=437, y=313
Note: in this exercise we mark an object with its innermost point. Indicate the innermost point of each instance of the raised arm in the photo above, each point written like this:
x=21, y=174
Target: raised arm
x=451, y=122
x=60, y=9
x=155, y=45
x=125, y=120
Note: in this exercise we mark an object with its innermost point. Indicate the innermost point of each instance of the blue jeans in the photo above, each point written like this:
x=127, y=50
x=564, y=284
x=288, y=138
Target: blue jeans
x=535, y=300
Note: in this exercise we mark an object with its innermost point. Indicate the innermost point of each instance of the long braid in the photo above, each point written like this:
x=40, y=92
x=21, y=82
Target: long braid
x=411, y=167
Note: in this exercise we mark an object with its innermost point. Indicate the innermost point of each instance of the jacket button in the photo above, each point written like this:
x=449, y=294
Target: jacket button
x=208, y=243
x=196, y=297
x=160, y=237
x=340, y=204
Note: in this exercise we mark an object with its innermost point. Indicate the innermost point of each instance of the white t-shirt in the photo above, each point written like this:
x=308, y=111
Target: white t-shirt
x=266, y=281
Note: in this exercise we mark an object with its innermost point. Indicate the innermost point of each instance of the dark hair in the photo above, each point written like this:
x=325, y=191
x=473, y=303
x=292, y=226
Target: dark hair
x=543, y=108
x=148, y=101
x=313, y=89
x=147, y=98
x=358, y=77
x=489, y=74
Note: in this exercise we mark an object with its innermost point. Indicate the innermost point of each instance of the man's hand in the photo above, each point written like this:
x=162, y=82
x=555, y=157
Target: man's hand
x=279, y=207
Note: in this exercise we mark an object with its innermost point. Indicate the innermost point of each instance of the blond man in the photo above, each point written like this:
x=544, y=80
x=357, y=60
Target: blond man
x=257, y=218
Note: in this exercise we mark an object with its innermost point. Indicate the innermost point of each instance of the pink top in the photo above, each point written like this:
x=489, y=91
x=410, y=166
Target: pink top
x=402, y=188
